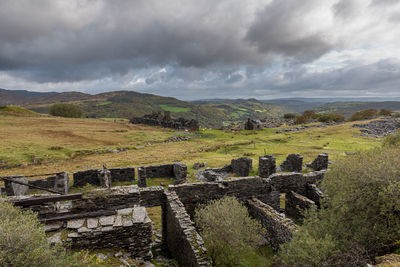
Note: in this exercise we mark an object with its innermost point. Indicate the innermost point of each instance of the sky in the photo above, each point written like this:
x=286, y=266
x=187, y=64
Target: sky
x=202, y=49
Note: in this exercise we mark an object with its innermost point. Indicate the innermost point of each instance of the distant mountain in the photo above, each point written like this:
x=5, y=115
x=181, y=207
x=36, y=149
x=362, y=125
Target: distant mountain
x=128, y=104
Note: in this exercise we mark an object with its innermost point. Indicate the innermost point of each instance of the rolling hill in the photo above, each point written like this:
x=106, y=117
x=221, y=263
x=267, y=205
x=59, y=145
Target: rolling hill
x=128, y=104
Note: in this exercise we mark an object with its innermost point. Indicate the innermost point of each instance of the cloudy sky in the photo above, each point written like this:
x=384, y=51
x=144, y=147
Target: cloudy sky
x=196, y=49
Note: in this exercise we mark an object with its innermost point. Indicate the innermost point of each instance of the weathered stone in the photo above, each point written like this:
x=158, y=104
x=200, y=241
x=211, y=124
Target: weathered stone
x=75, y=224
x=180, y=172
x=55, y=239
x=242, y=166
x=14, y=189
x=157, y=119
x=199, y=165
x=84, y=230
x=293, y=163
x=92, y=222
x=126, y=211
x=105, y=178
x=52, y=226
x=106, y=220
x=266, y=166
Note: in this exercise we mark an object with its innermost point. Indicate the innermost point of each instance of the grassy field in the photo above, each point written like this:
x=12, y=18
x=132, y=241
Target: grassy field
x=61, y=144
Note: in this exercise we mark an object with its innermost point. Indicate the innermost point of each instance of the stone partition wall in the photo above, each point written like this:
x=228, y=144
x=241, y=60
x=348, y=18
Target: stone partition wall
x=266, y=166
x=294, y=181
x=293, y=163
x=244, y=188
x=176, y=170
x=314, y=194
x=14, y=189
x=295, y=204
x=279, y=228
x=94, y=177
x=59, y=183
x=129, y=229
x=180, y=235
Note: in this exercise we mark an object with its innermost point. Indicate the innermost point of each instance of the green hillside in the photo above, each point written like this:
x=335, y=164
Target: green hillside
x=127, y=104
x=348, y=108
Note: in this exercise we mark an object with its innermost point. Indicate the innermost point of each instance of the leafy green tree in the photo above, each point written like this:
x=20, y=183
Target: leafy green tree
x=228, y=231
x=23, y=241
x=66, y=110
x=360, y=218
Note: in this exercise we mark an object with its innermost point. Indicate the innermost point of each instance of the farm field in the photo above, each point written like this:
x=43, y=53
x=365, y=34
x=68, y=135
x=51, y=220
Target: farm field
x=42, y=144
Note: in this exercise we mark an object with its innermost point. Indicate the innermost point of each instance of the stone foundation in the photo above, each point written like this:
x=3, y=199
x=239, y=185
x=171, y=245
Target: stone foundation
x=176, y=170
x=129, y=229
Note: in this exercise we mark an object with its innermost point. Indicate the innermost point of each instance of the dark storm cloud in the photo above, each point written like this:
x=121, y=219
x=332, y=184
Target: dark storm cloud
x=278, y=29
x=200, y=49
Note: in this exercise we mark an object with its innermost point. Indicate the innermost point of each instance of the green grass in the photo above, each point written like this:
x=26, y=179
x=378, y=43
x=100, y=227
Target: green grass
x=174, y=109
x=16, y=110
x=105, y=103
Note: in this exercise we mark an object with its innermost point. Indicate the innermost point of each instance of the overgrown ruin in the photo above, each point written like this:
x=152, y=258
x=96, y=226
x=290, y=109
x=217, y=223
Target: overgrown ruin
x=116, y=216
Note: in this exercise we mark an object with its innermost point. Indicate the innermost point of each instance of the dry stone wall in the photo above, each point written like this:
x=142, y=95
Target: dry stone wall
x=266, y=166
x=95, y=177
x=176, y=170
x=180, y=235
x=293, y=163
x=279, y=228
x=295, y=204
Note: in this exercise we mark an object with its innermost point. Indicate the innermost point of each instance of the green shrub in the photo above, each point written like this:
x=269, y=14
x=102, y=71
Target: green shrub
x=385, y=112
x=364, y=115
x=23, y=242
x=66, y=110
x=392, y=140
x=228, y=231
x=310, y=114
x=300, y=120
x=331, y=118
x=360, y=219
x=289, y=116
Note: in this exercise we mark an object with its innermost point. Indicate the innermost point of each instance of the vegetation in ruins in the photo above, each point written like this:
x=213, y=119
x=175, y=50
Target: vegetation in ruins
x=66, y=110
x=360, y=219
x=230, y=235
x=23, y=241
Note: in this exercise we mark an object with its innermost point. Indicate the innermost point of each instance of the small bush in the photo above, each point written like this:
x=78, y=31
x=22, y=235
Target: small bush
x=331, y=118
x=289, y=116
x=66, y=110
x=392, y=140
x=385, y=112
x=23, y=242
x=300, y=119
x=360, y=219
x=310, y=114
x=228, y=231
x=364, y=115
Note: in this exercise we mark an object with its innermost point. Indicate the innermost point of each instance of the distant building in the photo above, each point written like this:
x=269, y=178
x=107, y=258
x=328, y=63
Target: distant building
x=253, y=125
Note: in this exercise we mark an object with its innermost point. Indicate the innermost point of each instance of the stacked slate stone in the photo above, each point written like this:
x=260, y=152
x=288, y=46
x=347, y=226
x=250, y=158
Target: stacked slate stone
x=266, y=166
x=242, y=166
x=320, y=162
x=129, y=229
x=279, y=228
x=96, y=177
x=293, y=163
x=14, y=189
x=176, y=170
x=295, y=204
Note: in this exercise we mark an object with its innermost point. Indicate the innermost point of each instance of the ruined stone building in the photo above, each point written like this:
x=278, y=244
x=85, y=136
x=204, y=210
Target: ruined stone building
x=165, y=120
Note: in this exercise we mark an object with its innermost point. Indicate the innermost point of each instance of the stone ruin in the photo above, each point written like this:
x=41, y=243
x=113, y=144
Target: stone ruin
x=116, y=217
x=99, y=177
x=320, y=163
x=165, y=120
x=293, y=163
x=241, y=167
x=253, y=124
